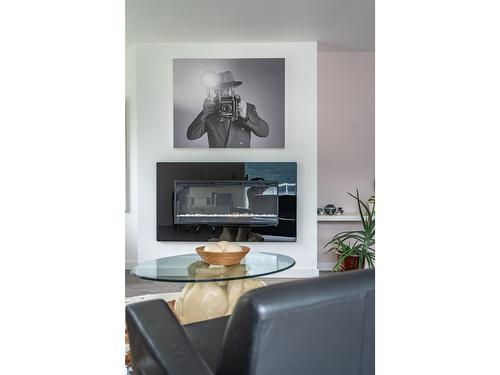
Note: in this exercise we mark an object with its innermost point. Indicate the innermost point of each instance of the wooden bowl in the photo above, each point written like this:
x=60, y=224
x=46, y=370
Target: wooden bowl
x=222, y=259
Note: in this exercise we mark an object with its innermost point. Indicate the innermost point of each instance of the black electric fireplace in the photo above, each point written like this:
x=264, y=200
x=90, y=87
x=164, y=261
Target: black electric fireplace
x=226, y=203
x=245, y=202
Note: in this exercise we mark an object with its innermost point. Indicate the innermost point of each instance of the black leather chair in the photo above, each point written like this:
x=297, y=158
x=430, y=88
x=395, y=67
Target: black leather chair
x=315, y=326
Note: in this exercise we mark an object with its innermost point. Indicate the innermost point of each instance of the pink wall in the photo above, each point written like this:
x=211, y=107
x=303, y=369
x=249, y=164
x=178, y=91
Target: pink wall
x=346, y=135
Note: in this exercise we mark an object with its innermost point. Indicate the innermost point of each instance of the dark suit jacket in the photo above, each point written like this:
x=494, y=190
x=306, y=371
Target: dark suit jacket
x=227, y=133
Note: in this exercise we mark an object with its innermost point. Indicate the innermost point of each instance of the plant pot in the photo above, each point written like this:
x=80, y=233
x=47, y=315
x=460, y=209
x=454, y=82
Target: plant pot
x=350, y=263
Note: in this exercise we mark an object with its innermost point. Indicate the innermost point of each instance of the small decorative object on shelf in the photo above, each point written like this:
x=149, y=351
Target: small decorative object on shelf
x=330, y=209
x=320, y=211
x=339, y=211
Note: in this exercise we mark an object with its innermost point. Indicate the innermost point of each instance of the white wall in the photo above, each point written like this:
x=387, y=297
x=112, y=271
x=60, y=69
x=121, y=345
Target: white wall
x=155, y=140
x=131, y=146
x=346, y=136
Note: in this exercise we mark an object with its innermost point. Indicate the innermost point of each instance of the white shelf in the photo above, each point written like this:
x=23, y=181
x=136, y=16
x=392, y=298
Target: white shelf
x=346, y=217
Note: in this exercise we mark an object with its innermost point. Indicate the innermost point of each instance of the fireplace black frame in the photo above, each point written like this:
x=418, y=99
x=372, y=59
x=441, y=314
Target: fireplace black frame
x=284, y=174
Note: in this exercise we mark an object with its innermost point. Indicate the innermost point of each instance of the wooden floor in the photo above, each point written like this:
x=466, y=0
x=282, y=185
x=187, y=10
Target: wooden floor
x=136, y=287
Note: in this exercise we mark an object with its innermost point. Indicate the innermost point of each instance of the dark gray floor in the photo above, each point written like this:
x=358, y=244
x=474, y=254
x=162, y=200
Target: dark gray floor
x=136, y=287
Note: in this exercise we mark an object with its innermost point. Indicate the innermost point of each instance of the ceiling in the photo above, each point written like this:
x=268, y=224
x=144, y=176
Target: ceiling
x=338, y=25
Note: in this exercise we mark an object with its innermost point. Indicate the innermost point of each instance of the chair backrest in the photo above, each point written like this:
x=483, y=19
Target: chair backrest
x=158, y=343
x=315, y=326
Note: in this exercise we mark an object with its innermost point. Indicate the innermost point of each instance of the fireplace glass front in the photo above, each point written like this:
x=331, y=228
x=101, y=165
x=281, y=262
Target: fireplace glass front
x=238, y=203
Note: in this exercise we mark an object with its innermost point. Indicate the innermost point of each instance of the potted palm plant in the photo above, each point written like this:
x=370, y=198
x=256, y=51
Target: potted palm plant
x=355, y=248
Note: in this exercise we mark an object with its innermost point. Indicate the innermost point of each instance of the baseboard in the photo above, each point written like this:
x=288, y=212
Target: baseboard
x=326, y=266
x=294, y=273
x=130, y=263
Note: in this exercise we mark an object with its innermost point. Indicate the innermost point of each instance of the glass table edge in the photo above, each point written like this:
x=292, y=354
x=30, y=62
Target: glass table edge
x=190, y=280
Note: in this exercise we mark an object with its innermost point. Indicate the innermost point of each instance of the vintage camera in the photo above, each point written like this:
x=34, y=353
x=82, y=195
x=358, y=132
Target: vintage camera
x=227, y=107
x=222, y=95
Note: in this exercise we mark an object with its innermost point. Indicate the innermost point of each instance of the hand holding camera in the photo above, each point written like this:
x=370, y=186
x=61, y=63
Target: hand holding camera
x=209, y=107
x=242, y=109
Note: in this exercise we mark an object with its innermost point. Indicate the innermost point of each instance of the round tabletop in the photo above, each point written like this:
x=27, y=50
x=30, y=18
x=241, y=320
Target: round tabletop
x=190, y=268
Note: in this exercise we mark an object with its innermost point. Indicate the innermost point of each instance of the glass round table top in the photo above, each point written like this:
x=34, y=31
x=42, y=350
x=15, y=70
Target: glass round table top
x=190, y=268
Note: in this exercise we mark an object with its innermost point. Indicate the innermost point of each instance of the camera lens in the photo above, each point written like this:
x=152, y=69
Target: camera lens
x=226, y=107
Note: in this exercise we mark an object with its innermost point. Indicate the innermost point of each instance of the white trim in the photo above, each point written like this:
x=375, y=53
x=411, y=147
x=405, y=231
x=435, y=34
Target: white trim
x=340, y=218
x=130, y=263
x=326, y=266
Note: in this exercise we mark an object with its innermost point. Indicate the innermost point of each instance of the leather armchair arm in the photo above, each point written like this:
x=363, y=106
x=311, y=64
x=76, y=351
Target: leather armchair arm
x=159, y=344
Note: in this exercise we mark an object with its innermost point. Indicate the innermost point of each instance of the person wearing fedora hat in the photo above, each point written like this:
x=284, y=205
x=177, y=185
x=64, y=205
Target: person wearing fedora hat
x=227, y=120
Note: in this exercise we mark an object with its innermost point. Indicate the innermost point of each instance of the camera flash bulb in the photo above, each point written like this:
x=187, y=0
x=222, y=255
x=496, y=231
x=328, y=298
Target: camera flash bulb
x=209, y=79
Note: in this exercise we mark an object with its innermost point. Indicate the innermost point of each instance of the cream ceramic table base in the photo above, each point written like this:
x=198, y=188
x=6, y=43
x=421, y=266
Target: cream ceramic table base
x=208, y=300
x=211, y=291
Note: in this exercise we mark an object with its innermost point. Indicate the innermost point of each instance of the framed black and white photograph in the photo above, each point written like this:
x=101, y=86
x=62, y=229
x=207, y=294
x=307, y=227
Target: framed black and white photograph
x=229, y=103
